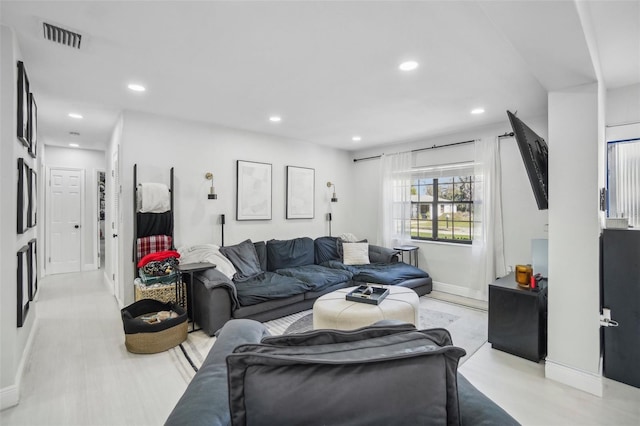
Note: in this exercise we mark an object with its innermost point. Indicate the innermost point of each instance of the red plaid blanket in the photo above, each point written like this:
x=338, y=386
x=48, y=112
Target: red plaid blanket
x=153, y=244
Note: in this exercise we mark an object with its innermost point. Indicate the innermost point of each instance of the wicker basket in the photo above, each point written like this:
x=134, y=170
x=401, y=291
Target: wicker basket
x=144, y=338
x=161, y=292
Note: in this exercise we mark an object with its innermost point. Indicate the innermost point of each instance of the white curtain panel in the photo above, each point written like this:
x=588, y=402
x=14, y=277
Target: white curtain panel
x=624, y=180
x=488, y=241
x=395, y=200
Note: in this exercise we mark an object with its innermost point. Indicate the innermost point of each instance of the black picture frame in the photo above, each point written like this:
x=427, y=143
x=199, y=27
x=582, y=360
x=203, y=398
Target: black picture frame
x=253, y=191
x=23, y=196
x=33, y=126
x=33, y=198
x=23, y=105
x=301, y=183
x=22, y=282
x=33, y=268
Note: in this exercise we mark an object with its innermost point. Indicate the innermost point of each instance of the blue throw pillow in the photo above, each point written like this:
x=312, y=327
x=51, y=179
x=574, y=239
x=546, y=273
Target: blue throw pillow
x=283, y=254
x=245, y=259
x=261, y=250
x=326, y=249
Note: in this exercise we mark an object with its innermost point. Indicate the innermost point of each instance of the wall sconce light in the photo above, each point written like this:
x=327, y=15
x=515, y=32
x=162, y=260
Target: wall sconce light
x=334, y=198
x=212, y=191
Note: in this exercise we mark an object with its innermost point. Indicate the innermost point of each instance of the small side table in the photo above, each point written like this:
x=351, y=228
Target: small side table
x=413, y=253
x=518, y=318
x=187, y=270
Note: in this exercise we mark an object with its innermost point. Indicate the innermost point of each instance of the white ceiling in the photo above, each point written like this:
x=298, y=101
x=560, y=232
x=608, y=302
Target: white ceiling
x=328, y=68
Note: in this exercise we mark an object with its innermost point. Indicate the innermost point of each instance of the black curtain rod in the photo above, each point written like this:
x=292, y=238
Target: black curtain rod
x=355, y=160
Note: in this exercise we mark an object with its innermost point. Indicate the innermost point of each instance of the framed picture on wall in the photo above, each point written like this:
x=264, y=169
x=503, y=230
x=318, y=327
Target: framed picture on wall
x=23, y=196
x=253, y=199
x=33, y=126
x=300, y=192
x=22, y=281
x=23, y=105
x=33, y=269
x=33, y=199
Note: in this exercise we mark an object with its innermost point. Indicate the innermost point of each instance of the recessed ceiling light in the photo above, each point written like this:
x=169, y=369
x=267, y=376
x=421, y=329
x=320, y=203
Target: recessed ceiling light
x=275, y=119
x=75, y=115
x=477, y=111
x=136, y=87
x=356, y=138
x=408, y=66
x=74, y=145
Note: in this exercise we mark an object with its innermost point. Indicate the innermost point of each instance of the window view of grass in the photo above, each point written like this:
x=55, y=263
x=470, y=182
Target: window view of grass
x=450, y=198
x=457, y=228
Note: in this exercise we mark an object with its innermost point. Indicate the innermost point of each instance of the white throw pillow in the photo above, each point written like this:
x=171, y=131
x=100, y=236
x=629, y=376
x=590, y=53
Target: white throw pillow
x=356, y=253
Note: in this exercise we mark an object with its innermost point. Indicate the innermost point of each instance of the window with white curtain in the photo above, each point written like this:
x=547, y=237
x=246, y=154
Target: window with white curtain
x=623, y=180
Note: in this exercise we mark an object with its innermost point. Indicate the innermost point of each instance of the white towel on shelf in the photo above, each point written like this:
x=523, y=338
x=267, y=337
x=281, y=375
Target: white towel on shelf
x=153, y=198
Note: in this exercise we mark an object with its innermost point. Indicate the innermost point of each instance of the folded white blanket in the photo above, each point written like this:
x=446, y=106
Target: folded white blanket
x=207, y=253
x=153, y=198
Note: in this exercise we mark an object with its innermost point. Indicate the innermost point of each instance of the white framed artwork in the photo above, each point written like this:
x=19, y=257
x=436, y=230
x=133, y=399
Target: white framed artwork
x=253, y=191
x=300, y=192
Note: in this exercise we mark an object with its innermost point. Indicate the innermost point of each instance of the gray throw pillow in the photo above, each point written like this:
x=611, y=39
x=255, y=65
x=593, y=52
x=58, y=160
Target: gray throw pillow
x=245, y=259
x=370, y=376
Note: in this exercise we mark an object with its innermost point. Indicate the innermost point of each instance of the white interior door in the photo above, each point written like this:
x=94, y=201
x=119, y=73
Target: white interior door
x=66, y=189
x=112, y=236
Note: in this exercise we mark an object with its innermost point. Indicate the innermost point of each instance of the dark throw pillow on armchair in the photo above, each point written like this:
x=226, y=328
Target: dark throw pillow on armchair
x=370, y=376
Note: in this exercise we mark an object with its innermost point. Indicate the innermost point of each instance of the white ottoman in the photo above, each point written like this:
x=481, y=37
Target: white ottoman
x=333, y=311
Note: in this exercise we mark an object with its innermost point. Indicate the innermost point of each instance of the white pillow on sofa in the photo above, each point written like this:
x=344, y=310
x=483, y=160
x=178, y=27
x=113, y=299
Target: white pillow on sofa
x=356, y=253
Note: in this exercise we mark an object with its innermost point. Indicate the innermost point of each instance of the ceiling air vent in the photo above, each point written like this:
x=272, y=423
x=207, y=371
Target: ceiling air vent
x=61, y=36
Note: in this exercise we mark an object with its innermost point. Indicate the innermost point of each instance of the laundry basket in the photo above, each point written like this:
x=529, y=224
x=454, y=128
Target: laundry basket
x=144, y=338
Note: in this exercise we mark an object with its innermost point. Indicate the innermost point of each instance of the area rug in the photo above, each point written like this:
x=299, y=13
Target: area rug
x=468, y=328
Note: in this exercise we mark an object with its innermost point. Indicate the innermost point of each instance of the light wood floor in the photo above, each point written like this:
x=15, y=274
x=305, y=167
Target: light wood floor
x=79, y=373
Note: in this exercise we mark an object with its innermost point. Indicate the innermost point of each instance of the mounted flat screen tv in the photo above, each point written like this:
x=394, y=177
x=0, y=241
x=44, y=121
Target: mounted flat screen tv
x=535, y=154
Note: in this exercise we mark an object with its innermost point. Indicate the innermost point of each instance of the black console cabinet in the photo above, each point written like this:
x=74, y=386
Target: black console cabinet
x=518, y=318
x=621, y=295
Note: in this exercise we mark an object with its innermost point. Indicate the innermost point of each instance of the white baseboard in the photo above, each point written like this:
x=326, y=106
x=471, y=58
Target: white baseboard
x=112, y=286
x=459, y=291
x=108, y=282
x=89, y=267
x=10, y=395
x=583, y=380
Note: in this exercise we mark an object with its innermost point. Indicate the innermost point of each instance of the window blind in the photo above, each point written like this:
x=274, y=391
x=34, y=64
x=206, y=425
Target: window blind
x=623, y=176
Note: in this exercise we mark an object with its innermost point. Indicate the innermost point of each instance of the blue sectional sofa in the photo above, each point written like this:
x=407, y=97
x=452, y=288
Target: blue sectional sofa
x=281, y=277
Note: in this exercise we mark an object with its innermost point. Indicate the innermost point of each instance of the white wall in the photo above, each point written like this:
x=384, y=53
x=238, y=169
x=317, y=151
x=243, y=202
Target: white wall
x=15, y=341
x=91, y=162
x=158, y=143
x=450, y=264
x=623, y=105
x=573, y=353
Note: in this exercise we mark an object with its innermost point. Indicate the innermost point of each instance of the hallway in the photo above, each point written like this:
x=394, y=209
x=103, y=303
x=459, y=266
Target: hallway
x=79, y=371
